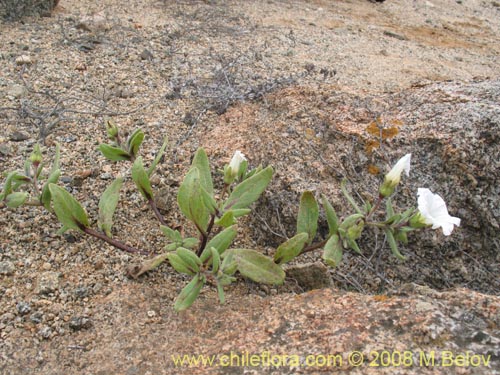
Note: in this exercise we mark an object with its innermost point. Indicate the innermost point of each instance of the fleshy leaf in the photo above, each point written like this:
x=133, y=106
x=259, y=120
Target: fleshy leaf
x=190, y=199
x=107, y=206
x=46, y=197
x=307, y=220
x=134, y=142
x=393, y=245
x=179, y=264
x=69, y=212
x=226, y=220
x=200, y=161
x=189, y=294
x=141, y=179
x=249, y=190
x=172, y=235
x=331, y=216
x=158, y=157
x=189, y=242
x=258, y=267
x=113, y=153
x=220, y=293
x=291, y=248
x=333, y=251
x=221, y=242
x=190, y=258
x=15, y=200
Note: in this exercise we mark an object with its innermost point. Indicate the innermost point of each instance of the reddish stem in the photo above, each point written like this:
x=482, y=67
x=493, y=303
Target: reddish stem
x=118, y=244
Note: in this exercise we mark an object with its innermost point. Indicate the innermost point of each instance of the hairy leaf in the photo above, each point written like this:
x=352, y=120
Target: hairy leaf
x=69, y=212
x=220, y=242
x=333, y=251
x=307, y=220
x=107, y=206
x=291, y=248
x=141, y=179
x=190, y=199
x=249, y=190
x=113, y=153
x=189, y=294
x=258, y=267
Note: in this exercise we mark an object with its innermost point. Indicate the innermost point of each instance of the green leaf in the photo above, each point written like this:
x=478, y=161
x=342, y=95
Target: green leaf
x=114, y=153
x=307, y=220
x=56, y=164
x=200, y=161
x=69, y=212
x=190, y=242
x=179, y=264
x=141, y=179
x=241, y=212
x=15, y=200
x=354, y=245
x=228, y=266
x=258, y=267
x=226, y=220
x=107, y=206
x=46, y=196
x=7, y=186
x=348, y=222
x=249, y=190
x=134, y=142
x=215, y=260
x=332, y=254
x=389, y=209
x=209, y=201
x=392, y=244
x=189, y=294
x=190, y=258
x=221, y=242
x=158, y=157
x=291, y=248
x=348, y=196
x=172, y=235
x=331, y=216
x=220, y=293
x=190, y=199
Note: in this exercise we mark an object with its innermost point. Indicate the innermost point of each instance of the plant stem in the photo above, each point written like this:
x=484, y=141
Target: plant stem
x=157, y=213
x=313, y=247
x=118, y=244
x=204, y=235
x=375, y=207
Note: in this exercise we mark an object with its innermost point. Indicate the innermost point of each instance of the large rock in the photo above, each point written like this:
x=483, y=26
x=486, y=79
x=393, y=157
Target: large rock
x=16, y=9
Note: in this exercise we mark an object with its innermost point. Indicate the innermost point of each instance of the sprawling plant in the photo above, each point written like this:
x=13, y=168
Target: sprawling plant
x=206, y=253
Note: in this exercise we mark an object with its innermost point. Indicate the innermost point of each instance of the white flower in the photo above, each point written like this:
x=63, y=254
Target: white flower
x=403, y=164
x=392, y=178
x=434, y=212
x=234, y=165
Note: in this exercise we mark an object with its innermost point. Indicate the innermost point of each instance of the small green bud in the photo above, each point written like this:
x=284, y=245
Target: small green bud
x=418, y=221
x=391, y=179
x=36, y=155
x=354, y=232
x=112, y=129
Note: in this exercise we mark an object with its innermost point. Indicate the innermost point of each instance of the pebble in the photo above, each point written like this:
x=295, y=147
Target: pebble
x=46, y=266
x=16, y=91
x=47, y=282
x=23, y=308
x=7, y=268
x=45, y=332
x=24, y=60
x=146, y=55
x=80, y=322
x=36, y=317
x=18, y=136
x=81, y=292
x=5, y=149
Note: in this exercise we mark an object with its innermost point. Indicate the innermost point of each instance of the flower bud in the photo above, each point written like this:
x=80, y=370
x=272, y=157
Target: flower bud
x=36, y=155
x=231, y=172
x=354, y=232
x=393, y=178
x=112, y=129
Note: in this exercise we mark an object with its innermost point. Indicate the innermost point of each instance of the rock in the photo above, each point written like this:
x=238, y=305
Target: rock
x=45, y=332
x=36, y=317
x=81, y=292
x=7, y=268
x=5, y=149
x=80, y=322
x=46, y=266
x=23, y=308
x=18, y=136
x=146, y=55
x=48, y=282
x=310, y=276
x=16, y=91
x=24, y=60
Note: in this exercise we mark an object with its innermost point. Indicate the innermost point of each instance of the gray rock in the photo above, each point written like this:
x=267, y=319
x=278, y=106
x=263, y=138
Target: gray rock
x=36, y=317
x=310, y=276
x=23, y=307
x=81, y=292
x=146, y=55
x=5, y=149
x=18, y=136
x=7, y=268
x=16, y=91
x=80, y=322
x=47, y=282
x=45, y=332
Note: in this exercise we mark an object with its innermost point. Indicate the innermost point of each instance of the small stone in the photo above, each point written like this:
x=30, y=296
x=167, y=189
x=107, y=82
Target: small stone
x=48, y=282
x=106, y=176
x=81, y=292
x=23, y=307
x=5, y=149
x=16, y=91
x=80, y=322
x=36, y=317
x=18, y=136
x=45, y=332
x=24, y=60
x=46, y=266
x=7, y=268
x=310, y=276
x=151, y=313
x=146, y=55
